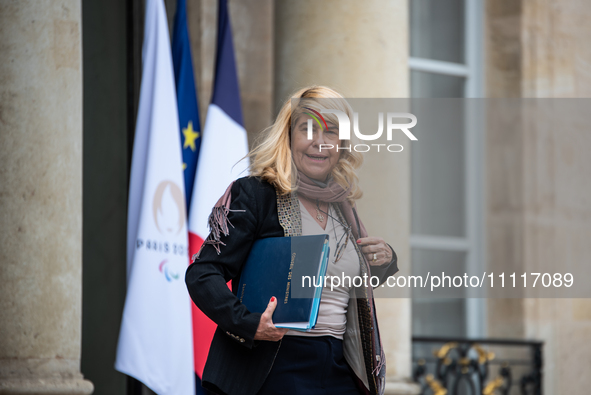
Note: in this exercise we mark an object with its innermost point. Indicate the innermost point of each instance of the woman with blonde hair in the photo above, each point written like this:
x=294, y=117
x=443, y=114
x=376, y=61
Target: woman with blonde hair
x=302, y=182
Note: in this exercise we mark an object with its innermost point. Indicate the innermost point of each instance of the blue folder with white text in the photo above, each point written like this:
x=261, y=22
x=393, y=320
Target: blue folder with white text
x=287, y=268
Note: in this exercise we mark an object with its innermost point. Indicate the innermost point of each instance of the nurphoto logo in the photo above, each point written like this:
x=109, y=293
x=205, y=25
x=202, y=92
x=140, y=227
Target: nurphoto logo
x=345, y=129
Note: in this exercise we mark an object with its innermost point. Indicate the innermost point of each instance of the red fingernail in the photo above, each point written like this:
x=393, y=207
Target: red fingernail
x=358, y=241
x=272, y=298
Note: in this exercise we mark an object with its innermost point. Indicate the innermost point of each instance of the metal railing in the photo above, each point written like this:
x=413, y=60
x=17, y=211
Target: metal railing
x=459, y=366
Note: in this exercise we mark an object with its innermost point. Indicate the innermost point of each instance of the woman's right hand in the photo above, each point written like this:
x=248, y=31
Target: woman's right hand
x=267, y=330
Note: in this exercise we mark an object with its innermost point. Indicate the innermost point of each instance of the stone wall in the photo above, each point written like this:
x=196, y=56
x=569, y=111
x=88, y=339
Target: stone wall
x=539, y=202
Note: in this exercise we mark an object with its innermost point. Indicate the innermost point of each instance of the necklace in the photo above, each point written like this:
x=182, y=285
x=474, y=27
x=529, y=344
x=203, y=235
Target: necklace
x=340, y=248
x=319, y=215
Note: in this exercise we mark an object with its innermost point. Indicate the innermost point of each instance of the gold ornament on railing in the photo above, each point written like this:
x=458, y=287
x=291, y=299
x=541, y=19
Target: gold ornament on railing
x=493, y=385
x=435, y=385
x=483, y=355
x=445, y=349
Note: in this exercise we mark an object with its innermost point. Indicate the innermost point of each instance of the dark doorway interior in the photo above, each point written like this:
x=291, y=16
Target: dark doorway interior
x=111, y=31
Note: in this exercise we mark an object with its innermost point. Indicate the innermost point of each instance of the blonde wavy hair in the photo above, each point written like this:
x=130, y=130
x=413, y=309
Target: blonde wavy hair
x=271, y=158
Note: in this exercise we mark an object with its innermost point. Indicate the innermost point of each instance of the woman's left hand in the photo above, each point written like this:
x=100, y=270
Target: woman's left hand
x=375, y=249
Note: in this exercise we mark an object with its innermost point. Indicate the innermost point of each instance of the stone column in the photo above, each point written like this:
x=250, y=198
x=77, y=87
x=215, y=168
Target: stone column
x=359, y=48
x=40, y=197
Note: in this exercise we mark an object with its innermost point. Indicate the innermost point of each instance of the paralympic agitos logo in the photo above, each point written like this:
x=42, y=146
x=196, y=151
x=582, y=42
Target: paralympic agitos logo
x=345, y=129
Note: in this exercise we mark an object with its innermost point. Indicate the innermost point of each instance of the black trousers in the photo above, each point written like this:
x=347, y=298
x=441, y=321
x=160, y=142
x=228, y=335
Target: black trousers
x=311, y=366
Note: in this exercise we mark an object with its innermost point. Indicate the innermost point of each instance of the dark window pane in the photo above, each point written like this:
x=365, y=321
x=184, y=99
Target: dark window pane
x=437, y=30
x=437, y=169
x=442, y=316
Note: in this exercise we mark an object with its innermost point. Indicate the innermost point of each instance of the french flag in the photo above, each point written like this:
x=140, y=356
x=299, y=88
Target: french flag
x=223, y=146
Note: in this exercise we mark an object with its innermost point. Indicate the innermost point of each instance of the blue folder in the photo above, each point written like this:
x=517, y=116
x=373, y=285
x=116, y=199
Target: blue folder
x=276, y=267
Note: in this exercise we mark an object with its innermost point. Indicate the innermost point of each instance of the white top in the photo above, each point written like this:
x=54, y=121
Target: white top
x=332, y=312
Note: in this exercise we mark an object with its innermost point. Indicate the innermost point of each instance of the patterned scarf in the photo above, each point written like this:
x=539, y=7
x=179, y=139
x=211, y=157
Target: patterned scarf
x=331, y=192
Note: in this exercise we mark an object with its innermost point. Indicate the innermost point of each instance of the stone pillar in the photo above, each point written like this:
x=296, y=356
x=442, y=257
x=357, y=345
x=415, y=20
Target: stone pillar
x=359, y=48
x=40, y=197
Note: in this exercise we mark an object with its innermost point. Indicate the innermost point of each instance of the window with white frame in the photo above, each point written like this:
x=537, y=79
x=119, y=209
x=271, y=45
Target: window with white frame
x=446, y=38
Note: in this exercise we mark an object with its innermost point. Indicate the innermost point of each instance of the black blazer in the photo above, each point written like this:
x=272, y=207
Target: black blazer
x=237, y=364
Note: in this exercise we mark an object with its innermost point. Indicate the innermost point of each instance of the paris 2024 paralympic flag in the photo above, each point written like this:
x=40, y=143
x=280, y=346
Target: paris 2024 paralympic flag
x=155, y=339
x=223, y=145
